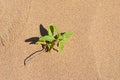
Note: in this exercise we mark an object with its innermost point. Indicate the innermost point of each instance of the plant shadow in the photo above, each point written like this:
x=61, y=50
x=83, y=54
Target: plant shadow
x=33, y=40
x=43, y=32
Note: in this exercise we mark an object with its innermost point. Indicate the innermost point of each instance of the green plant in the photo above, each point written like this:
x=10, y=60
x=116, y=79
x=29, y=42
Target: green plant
x=51, y=40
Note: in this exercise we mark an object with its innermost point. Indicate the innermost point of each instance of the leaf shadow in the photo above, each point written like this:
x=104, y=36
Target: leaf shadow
x=43, y=31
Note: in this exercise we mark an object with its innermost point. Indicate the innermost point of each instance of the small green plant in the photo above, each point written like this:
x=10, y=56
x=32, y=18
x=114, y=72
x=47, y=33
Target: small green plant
x=51, y=40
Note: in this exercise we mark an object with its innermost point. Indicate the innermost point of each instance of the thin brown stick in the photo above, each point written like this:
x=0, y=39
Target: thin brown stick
x=27, y=58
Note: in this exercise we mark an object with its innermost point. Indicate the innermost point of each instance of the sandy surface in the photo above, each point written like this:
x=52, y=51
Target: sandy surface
x=93, y=53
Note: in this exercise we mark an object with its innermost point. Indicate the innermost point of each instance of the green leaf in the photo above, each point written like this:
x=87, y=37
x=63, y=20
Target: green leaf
x=55, y=28
x=49, y=46
x=40, y=42
x=47, y=38
x=61, y=45
x=51, y=30
x=67, y=35
x=59, y=36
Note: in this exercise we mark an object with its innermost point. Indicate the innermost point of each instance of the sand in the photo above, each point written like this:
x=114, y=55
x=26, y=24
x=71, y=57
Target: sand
x=92, y=53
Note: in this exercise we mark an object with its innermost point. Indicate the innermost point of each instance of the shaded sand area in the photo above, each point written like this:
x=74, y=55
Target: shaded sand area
x=93, y=53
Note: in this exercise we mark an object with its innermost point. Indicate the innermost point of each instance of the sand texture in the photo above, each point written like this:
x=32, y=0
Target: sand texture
x=92, y=53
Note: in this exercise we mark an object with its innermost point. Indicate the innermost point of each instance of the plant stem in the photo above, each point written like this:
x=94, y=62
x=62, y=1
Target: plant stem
x=27, y=58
